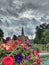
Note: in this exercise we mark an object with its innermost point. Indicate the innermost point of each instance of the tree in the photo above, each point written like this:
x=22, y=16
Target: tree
x=46, y=35
x=15, y=37
x=8, y=38
x=40, y=35
x=1, y=33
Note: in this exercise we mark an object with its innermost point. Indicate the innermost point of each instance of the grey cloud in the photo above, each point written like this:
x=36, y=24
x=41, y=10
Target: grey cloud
x=9, y=8
x=29, y=31
x=1, y=23
x=44, y=20
x=42, y=5
x=35, y=22
x=28, y=6
x=12, y=12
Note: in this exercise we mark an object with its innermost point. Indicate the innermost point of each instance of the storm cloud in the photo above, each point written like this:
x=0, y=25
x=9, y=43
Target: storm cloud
x=27, y=13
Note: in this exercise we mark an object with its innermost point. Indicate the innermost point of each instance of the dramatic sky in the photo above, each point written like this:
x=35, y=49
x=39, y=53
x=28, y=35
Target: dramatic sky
x=27, y=13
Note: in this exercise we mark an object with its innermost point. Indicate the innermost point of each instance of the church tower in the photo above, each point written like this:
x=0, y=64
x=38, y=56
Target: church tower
x=22, y=37
x=22, y=31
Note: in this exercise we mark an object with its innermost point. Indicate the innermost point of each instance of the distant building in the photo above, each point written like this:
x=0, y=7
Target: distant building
x=22, y=37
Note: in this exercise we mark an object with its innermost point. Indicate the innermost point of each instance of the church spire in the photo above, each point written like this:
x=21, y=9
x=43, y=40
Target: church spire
x=22, y=31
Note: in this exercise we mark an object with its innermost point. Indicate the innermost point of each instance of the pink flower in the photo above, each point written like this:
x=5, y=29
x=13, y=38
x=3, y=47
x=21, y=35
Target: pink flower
x=30, y=49
x=7, y=47
x=18, y=41
x=22, y=64
x=10, y=41
x=48, y=44
x=23, y=46
x=35, y=63
x=7, y=60
x=36, y=53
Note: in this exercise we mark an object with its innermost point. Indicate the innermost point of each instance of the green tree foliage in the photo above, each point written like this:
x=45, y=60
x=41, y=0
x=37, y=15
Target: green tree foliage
x=1, y=33
x=46, y=35
x=42, y=34
x=15, y=37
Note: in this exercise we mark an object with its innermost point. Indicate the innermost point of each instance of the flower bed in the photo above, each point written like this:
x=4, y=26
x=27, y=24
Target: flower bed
x=18, y=53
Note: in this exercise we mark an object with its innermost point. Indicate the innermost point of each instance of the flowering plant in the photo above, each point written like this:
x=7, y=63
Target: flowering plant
x=18, y=53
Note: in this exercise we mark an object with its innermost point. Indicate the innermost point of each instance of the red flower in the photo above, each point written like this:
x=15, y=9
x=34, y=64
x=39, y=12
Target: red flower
x=22, y=64
x=8, y=60
x=14, y=46
x=38, y=60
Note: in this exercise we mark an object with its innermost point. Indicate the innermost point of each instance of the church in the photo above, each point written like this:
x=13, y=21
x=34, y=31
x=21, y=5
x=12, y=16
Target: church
x=22, y=37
